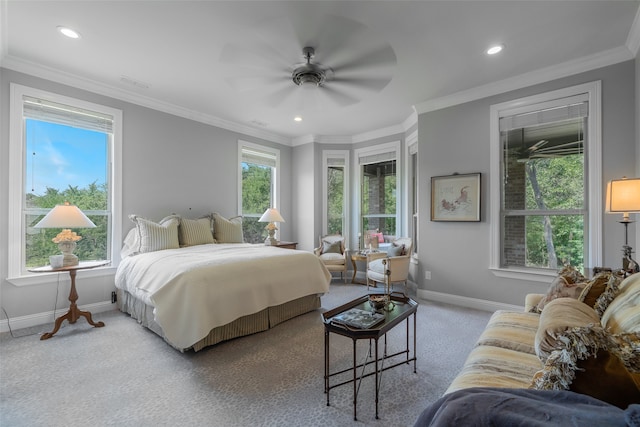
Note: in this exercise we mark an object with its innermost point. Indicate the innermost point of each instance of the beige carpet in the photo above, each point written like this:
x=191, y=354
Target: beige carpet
x=125, y=375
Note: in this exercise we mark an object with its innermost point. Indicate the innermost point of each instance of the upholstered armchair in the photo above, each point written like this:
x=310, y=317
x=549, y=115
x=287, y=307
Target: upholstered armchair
x=333, y=254
x=396, y=261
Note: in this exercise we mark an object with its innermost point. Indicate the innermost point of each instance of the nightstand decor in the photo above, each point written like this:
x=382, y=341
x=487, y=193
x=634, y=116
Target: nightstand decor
x=66, y=216
x=271, y=216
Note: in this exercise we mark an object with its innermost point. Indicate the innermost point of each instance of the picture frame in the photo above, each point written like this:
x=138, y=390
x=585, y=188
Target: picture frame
x=456, y=197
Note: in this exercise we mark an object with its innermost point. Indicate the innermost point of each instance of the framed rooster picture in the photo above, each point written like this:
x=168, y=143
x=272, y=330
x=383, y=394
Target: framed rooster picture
x=455, y=197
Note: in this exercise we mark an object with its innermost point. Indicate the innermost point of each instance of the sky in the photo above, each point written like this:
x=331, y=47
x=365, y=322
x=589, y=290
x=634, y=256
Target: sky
x=58, y=156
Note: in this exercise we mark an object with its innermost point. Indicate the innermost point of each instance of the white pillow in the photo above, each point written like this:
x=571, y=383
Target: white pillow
x=227, y=230
x=130, y=244
x=195, y=231
x=156, y=236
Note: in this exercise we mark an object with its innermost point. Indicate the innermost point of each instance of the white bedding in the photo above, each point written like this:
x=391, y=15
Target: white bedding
x=198, y=288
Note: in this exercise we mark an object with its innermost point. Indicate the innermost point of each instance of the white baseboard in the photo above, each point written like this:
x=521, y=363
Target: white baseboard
x=478, y=304
x=48, y=317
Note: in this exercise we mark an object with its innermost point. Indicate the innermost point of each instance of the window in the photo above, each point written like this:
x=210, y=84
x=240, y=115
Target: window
x=259, y=183
x=412, y=199
x=379, y=189
x=335, y=190
x=548, y=191
x=62, y=150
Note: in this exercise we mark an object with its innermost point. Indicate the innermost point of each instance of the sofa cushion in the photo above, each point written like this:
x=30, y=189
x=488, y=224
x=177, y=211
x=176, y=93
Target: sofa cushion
x=512, y=330
x=332, y=247
x=395, y=250
x=489, y=366
x=623, y=313
x=332, y=258
x=559, y=316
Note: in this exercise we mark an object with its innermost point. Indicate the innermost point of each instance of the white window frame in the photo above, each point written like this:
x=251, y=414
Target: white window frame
x=393, y=146
x=17, y=274
x=411, y=148
x=335, y=154
x=593, y=170
x=275, y=185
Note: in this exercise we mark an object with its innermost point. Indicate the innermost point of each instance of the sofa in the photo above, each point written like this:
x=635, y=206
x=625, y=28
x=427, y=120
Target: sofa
x=582, y=337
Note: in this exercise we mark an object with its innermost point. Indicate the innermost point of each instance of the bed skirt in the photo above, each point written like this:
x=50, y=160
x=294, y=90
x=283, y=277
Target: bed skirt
x=246, y=325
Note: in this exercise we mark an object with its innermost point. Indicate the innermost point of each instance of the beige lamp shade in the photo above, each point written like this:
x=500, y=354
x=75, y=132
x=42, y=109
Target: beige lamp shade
x=271, y=215
x=623, y=196
x=65, y=216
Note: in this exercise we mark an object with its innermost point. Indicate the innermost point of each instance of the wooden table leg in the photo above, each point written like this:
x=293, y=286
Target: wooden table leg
x=74, y=312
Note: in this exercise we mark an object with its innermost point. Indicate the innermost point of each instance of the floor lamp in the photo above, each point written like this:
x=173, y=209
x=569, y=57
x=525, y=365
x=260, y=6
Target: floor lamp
x=623, y=196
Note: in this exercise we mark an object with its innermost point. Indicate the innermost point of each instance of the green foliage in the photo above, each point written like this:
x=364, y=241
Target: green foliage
x=256, y=198
x=94, y=242
x=561, y=182
x=335, y=204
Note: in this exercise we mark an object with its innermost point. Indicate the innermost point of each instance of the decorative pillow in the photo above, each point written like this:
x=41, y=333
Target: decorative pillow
x=156, y=236
x=610, y=292
x=227, y=230
x=331, y=247
x=596, y=363
x=395, y=250
x=560, y=315
x=572, y=275
x=195, y=231
x=130, y=244
x=595, y=287
x=560, y=288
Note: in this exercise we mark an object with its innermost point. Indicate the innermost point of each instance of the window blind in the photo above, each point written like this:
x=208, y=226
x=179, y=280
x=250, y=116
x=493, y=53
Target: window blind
x=377, y=158
x=551, y=115
x=53, y=112
x=335, y=161
x=258, y=157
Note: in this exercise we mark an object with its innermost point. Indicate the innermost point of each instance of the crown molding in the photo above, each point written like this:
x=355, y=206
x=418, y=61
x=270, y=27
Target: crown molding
x=74, y=80
x=580, y=65
x=633, y=40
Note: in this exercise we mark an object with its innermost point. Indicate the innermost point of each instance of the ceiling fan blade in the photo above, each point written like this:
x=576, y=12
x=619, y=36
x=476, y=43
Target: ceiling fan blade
x=381, y=57
x=258, y=56
x=280, y=96
x=373, y=84
x=338, y=97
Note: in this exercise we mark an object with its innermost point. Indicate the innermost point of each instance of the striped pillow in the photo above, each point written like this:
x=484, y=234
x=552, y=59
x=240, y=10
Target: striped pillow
x=156, y=236
x=227, y=230
x=195, y=231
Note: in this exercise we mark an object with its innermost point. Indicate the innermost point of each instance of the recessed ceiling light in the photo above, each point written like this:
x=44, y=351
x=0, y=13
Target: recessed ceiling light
x=72, y=34
x=297, y=118
x=495, y=49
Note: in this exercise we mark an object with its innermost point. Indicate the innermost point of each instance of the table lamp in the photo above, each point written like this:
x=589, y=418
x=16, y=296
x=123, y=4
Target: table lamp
x=271, y=216
x=66, y=216
x=623, y=196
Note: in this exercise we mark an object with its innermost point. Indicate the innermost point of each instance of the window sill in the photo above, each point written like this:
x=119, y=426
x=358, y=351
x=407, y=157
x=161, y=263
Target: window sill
x=43, y=278
x=545, y=276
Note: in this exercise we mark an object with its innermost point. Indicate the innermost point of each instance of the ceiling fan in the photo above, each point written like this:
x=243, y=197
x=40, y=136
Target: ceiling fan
x=344, y=62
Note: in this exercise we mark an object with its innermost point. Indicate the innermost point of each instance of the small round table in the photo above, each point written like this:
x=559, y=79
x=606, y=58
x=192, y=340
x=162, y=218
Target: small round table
x=74, y=312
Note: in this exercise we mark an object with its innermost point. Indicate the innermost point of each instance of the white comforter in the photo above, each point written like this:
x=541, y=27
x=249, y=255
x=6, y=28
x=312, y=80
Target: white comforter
x=198, y=288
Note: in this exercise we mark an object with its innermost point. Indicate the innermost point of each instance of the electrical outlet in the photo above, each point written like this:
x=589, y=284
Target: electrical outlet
x=114, y=297
x=427, y=275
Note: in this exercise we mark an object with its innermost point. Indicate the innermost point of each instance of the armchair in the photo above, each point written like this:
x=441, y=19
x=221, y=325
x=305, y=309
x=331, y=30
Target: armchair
x=333, y=254
x=396, y=261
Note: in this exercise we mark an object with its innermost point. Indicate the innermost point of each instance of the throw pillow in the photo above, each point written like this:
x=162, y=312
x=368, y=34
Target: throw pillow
x=572, y=275
x=334, y=247
x=596, y=363
x=195, y=231
x=227, y=230
x=610, y=292
x=560, y=288
x=395, y=250
x=594, y=288
x=559, y=316
x=154, y=236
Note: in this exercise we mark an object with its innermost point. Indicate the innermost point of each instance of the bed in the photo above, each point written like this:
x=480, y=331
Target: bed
x=200, y=295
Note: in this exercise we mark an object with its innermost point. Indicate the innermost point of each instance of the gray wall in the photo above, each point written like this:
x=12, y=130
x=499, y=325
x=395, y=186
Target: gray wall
x=456, y=139
x=170, y=164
